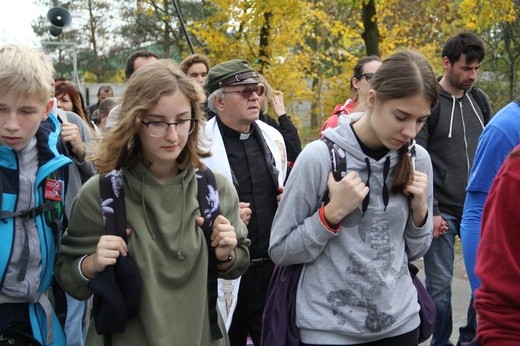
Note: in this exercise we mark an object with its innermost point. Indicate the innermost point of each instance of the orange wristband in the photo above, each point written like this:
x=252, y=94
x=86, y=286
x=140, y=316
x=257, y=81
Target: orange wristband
x=331, y=228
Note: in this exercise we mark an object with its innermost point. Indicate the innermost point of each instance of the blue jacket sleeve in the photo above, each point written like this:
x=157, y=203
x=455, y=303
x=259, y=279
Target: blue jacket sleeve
x=470, y=233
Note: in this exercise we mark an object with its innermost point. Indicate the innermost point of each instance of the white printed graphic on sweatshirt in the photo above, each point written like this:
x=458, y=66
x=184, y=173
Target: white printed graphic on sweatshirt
x=363, y=290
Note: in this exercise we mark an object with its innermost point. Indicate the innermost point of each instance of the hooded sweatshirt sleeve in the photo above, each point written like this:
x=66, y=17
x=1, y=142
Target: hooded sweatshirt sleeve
x=228, y=200
x=297, y=235
x=81, y=238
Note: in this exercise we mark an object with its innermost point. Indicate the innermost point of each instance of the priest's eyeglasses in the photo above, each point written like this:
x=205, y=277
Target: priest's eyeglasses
x=246, y=93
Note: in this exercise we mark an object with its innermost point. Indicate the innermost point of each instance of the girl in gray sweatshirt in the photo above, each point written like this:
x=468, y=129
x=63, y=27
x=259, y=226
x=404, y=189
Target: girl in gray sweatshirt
x=355, y=286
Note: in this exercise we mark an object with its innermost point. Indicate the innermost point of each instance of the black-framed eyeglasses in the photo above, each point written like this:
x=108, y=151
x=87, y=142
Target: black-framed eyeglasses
x=368, y=76
x=160, y=128
x=246, y=93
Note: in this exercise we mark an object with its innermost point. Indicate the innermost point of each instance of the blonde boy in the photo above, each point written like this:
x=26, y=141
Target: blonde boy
x=33, y=172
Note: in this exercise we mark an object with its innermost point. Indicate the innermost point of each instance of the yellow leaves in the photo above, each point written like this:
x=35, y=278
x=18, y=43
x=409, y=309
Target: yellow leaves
x=89, y=77
x=481, y=14
x=310, y=47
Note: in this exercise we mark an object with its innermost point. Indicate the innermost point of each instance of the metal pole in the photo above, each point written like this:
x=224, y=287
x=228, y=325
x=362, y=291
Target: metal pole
x=183, y=27
x=74, y=58
x=75, y=66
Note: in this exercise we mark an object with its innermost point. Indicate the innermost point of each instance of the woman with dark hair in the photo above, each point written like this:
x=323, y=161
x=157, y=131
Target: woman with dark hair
x=355, y=286
x=70, y=100
x=359, y=86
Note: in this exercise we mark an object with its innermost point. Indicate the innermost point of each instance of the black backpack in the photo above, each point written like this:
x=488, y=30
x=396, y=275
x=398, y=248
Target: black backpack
x=114, y=214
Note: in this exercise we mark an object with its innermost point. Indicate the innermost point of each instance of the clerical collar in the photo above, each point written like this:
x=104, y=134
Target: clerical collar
x=229, y=132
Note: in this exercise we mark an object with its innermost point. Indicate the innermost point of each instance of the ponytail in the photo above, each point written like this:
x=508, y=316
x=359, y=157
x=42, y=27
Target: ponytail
x=403, y=171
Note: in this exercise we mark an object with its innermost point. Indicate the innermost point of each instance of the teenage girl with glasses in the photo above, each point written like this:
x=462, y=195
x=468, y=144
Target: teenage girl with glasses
x=156, y=147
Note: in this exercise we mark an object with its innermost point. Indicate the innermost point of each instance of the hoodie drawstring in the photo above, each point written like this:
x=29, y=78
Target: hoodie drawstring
x=386, y=171
x=146, y=219
x=475, y=111
x=386, y=193
x=179, y=252
x=452, y=114
x=366, y=200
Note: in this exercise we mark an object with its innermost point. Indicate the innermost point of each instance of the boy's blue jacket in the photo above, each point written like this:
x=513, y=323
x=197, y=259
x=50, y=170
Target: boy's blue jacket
x=52, y=158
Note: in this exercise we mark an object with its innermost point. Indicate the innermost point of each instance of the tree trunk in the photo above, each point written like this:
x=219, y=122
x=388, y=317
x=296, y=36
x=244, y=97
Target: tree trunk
x=371, y=35
x=315, y=105
x=263, y=52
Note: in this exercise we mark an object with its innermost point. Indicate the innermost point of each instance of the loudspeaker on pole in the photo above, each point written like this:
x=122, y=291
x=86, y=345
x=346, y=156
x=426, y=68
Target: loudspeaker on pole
x=59, y=18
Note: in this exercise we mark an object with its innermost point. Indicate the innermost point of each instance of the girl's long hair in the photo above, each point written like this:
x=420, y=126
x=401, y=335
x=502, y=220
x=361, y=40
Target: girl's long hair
x=121, y=146
x=404, y=74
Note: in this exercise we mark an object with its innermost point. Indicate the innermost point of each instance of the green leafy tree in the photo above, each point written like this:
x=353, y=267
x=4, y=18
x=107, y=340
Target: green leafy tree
x=155, y=25
x=295, y=44
x=306, y=49
x=503, y=59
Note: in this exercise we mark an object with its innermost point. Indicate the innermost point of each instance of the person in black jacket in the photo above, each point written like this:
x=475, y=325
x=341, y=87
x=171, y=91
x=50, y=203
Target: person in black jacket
x=451, y=136
x=104, y=91
x=284, y=124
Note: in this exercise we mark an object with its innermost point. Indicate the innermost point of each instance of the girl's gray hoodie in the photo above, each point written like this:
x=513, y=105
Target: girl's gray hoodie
x=355, y=286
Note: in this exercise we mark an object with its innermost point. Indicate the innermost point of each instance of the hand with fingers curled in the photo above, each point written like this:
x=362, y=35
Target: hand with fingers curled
x=440, y=226
x=345, y=196
x=417, y=191
x=223, y=239
x=70, y=133
x=245, y=212
x=108, y=250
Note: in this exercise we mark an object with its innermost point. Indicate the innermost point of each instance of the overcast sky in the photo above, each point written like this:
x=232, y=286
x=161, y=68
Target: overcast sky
x=15, y=21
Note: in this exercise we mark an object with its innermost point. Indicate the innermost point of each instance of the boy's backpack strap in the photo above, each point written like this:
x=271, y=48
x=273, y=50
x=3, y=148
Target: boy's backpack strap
x=53, y=210
x=209, y=208
x=1, y=190
x=55, y=213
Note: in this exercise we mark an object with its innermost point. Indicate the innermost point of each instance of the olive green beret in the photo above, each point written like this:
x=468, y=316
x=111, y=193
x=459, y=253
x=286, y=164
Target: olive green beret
x=232, y=72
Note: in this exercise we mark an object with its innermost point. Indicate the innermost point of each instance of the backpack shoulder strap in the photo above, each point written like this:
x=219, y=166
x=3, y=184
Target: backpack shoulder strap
x=55, y=210
x=113, y=203
x=482, y=102
x=338, y=160
x=479, y=97
x=209, y=209
x=52, y=207
x=433, y=119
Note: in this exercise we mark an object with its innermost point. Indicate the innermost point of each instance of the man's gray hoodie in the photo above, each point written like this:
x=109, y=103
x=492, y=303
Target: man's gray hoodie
x=355, y=286
x=451, y=139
